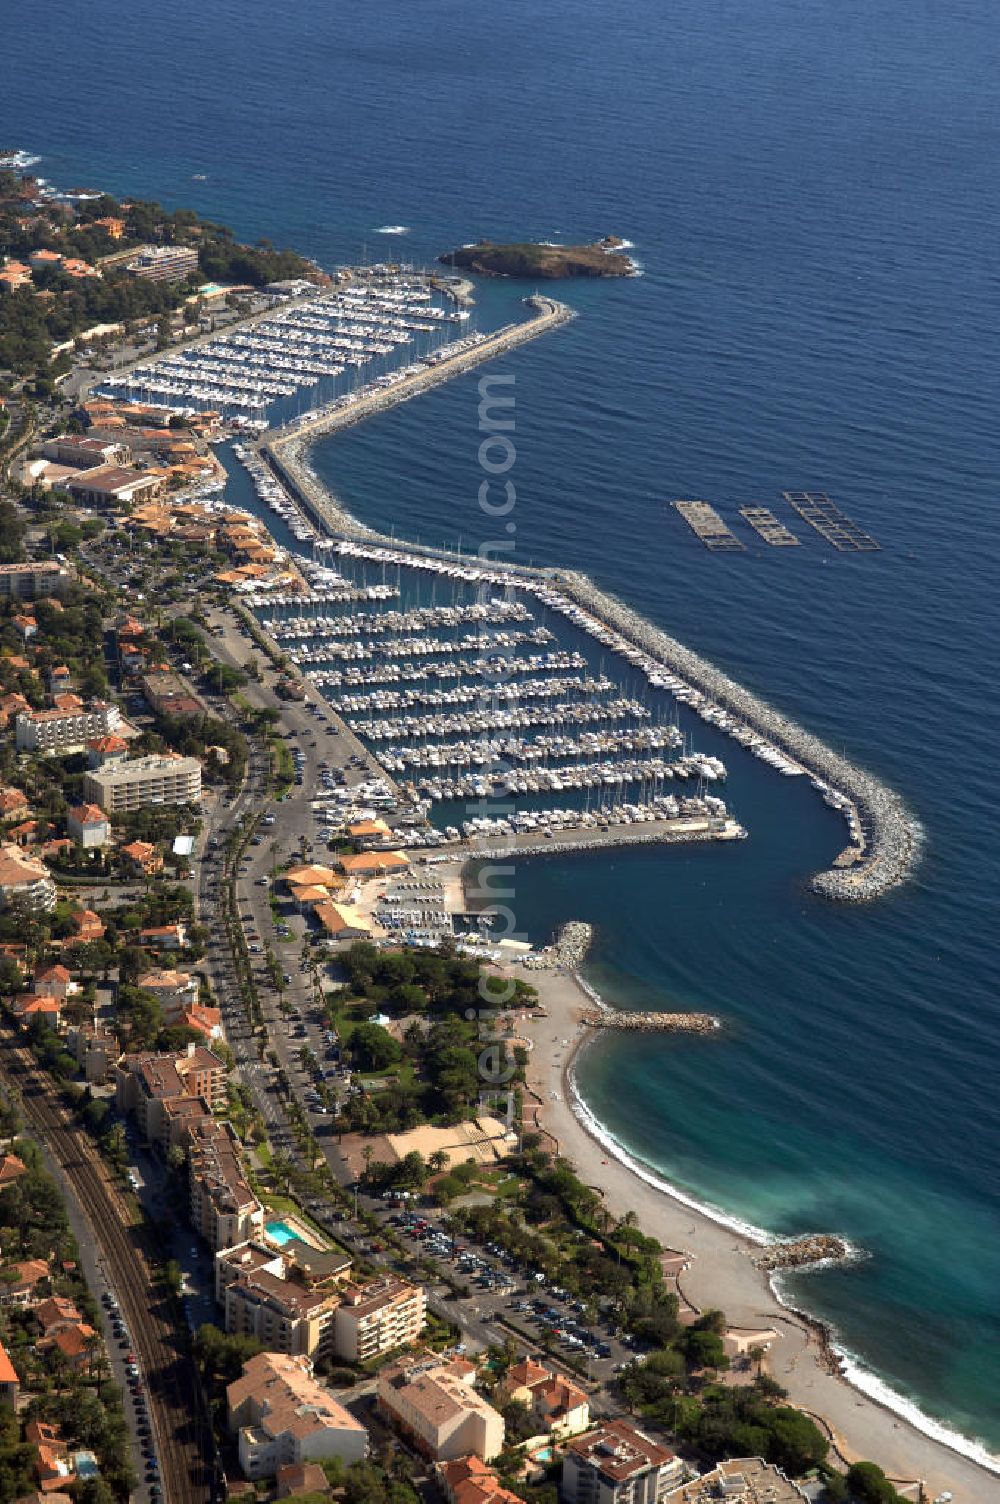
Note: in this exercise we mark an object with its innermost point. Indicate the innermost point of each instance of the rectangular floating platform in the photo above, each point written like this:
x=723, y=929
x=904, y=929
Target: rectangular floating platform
x=769, y=527
x=816, y=508
x=705, y=522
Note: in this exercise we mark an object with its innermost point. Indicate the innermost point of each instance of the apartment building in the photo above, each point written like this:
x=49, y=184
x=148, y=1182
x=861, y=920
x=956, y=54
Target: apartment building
x=25, y=882
x=283, y=1416
x=121, y=787
x=62, y=731
x=432, y=1401
x=165, y=263
x=224, y=1209
x=27, y=582
x=378, y=1316
x=618, y=1464
x=166, y=1092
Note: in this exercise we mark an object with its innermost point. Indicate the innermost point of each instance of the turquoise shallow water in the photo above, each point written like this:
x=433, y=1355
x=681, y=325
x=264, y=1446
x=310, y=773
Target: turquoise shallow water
x=812, y=192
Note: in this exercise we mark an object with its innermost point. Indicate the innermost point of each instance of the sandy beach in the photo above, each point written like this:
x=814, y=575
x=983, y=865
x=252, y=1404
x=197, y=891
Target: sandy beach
x=722, y=1274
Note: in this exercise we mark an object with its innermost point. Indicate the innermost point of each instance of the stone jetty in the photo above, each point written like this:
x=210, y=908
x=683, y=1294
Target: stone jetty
x=889, y=836
x=653, y=1023
x=798, y=1253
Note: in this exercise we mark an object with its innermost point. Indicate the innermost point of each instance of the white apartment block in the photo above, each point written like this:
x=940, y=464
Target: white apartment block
x=62, y=732
x=142, y=781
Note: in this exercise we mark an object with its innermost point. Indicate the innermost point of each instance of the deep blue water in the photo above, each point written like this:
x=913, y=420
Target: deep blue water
x=811, y=189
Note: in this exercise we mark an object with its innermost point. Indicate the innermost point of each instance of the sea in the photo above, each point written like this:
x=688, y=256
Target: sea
x=810, y=190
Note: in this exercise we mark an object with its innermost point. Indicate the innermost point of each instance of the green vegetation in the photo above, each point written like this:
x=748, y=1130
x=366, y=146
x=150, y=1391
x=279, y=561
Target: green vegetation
x=31, y=325
x=532, y=260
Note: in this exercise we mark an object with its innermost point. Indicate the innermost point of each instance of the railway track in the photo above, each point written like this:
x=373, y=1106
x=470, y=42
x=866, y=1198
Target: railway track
x=183, y=1443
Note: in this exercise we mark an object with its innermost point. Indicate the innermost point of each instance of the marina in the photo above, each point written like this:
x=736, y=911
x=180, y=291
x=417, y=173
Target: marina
x=816, y=508
x=321, y=345
x=706, y=524
x=769, y=527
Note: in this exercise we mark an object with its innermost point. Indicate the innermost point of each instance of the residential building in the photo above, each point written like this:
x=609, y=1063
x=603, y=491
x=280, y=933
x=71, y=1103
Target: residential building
x=555, y=1403
x=22, y=1290
x=376, y=1317
x=106, y=749
x=176, y=991
x=160, y=1090
x=142, y=857
x=62, y=731
x=37, y=577
x=10, y=1384
x=432, y=1401
x=141, y=781
x=283, y=1415
x=25, y=883
x=224, y=1209
x=618, y=1464
x=165, y=263
x=283, y=1316
x=467, y=1480
x=94, y=1050
x=168, y=693
x=89, y=825
x=739, y=1480
x=297, y=1478
x=164, y=936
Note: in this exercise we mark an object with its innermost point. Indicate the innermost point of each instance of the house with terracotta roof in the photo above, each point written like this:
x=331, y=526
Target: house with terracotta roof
x=164, y=936
x=11, y=1169
x=30, y=1009
x=297, y=1478
x=53, y=1463
x=102, y=750
x=10, y=1384
x=283, y=1415
x=142, y=857
x=19, y=1289
x=75, y=1342
x=89, y=926
x=174, y=990
x=54, y=1313
x=54, y=980
x=13, y=803
x=558, y=1406
x=468, y=1480
x=88, y=825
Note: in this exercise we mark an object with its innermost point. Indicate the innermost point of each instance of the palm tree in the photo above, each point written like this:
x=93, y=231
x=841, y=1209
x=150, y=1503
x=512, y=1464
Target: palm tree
x=438, y=1161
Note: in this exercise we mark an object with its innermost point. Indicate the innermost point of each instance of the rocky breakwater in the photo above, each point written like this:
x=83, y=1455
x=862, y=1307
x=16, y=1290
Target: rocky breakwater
x=653, y=1023
x=567, y=951
x=799, y=1253
x=886, y=835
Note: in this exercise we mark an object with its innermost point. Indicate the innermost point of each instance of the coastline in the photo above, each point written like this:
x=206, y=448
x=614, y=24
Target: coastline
x=862, y=1415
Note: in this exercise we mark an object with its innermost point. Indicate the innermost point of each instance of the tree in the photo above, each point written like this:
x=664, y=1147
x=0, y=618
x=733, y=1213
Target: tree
x=869, y=1485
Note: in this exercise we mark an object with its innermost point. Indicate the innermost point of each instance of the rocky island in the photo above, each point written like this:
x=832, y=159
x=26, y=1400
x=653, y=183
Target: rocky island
x=604, y=258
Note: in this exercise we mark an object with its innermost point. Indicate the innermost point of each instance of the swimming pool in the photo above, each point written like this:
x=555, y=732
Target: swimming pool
x=280, y=1233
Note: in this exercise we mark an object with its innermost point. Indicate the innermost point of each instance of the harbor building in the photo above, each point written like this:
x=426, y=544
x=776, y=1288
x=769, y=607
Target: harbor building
x=158, y=779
